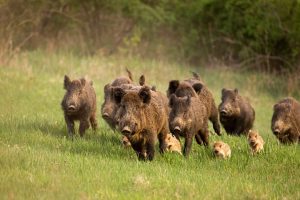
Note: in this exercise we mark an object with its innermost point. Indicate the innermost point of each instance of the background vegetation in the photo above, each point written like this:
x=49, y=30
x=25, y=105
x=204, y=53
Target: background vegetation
x=259, y=34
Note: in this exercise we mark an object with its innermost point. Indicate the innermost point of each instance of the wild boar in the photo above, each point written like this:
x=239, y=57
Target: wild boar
x=286, y=121
x=79, y=103
x=188, y=118
x=108, y=107
x=195, y=87
x=142, y=117
x=236, y=114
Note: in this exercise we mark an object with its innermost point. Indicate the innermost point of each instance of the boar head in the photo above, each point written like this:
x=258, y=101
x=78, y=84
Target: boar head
x=229, y=105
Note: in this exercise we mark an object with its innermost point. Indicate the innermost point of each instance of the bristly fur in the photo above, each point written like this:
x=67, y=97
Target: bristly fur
x=286, y=121
x=195, y=87
x=188, y=118
x=142, y=117
x=236, y=113
x=81, y=95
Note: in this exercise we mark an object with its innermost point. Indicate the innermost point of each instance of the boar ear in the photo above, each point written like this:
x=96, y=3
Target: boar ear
x=67, y=82
x=153, y=88
x=173, y=85
x=223, y=91
x=106, y=87
x=236, y=91
x=172, y=100
x=142, y=80
x=118, y=94
x=145, y=94
x=129, y=74
x=198, y=87
x=82, y=81
x=275, y=106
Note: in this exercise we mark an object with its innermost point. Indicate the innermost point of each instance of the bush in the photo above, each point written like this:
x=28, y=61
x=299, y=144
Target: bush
x=260, y=34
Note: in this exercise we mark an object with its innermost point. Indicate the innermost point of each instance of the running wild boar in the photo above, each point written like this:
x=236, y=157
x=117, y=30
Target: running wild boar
x=236, y=113
x=79, y=103
x=286, y=121
x=195, y=87
x=143, y=117
x=188, y=118
x=108, y=108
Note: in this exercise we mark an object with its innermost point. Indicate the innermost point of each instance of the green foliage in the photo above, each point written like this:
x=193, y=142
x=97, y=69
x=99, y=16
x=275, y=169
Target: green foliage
x=262, y=34
x=256, y=29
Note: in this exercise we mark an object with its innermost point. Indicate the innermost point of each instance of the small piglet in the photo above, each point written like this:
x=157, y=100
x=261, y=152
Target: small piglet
x=79, y=103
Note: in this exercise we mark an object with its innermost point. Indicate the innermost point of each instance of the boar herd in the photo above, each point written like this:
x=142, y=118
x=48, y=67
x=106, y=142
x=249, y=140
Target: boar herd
x=144, y=115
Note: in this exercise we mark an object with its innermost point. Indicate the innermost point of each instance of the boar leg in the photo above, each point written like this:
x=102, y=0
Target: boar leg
x=187, y=145
x=139, y=150
x=84, y=124
x=214, y=118
x=204, y=134
x=150, y=149
x=198, y=139
x=162, y=139
x=93, y=121
x=70, y=126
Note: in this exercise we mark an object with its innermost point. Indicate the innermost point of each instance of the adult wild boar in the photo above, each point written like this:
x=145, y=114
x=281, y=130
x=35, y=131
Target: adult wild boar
x=195, y=87
x=108, y=107
x=188, y=118
x=236, y=113
x=286, y=121
x=79, y=103
x=142, y=118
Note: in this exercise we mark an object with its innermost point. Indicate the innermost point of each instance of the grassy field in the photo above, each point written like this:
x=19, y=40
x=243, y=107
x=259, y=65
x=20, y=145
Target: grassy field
x=38, y=161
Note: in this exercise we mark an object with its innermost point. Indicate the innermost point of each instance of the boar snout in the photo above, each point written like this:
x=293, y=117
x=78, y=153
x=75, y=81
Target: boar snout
x=71, y=107
x=276, y=131
x=224, y=112
x=105, y=115
x=126, y=130
x=177, y=130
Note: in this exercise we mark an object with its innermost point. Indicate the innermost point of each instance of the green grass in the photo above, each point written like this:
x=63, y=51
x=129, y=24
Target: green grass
x=37, y=161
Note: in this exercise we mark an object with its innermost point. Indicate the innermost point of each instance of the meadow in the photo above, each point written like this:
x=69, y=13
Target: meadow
x=38, y=161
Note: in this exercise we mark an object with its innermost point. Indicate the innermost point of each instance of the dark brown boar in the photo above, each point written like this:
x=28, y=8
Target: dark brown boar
x=195, y=87
x=236, y=114
x=109, y=106
x=286, y=121
x=142, y=118
x=188, y=118
x=79, y=103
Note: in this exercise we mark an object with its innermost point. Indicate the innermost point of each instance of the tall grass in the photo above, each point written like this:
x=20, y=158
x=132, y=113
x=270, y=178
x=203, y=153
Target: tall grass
x=38, y=161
